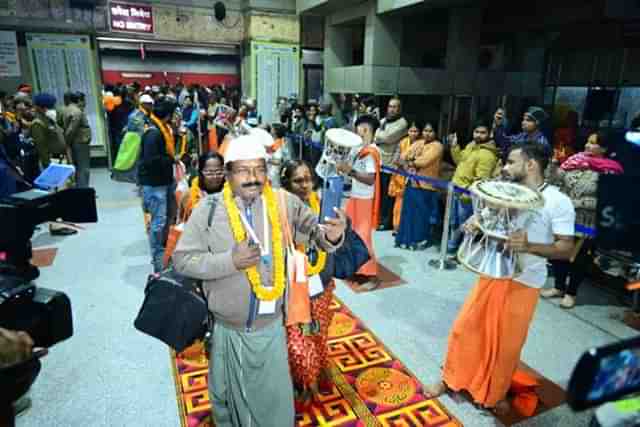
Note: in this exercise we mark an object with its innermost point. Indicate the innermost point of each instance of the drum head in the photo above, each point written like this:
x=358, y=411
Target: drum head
x=507, y=194
x=343, y=138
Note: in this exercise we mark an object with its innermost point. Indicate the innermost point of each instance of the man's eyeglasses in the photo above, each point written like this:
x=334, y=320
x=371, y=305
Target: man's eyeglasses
x=246, y=172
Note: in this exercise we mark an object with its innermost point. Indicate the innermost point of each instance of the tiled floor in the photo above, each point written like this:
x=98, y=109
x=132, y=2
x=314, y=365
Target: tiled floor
x=108, y=374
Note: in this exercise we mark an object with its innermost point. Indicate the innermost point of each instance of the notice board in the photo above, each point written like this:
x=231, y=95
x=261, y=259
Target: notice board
x=63, y=63
x=275, y=72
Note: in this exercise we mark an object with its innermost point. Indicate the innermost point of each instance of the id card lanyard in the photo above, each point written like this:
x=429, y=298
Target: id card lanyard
x=264, y=307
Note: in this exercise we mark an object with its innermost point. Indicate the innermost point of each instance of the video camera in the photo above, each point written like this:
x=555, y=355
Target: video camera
x=44, y=314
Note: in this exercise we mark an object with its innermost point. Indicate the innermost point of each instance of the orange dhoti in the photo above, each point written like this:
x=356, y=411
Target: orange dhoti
x=487, y=338
x=359, y=211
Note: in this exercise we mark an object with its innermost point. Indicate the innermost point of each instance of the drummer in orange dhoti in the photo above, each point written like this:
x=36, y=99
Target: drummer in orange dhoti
x=488, y=335
x=362, y=206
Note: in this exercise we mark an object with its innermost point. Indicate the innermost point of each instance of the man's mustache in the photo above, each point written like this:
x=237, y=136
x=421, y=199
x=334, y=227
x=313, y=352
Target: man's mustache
x=252, y=184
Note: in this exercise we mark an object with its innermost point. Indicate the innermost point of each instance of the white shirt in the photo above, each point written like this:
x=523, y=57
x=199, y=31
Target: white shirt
x=556, y=217
x=360, y=190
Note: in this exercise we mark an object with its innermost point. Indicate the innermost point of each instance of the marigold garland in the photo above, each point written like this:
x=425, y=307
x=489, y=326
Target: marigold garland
x=195, y=192
x=316, y=268
x=239, y=235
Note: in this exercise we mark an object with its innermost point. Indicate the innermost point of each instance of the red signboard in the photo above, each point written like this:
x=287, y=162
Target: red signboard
x=131, y=18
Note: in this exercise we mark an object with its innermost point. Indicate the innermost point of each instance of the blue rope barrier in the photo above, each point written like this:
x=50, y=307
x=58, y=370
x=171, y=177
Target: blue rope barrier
x=436, y=183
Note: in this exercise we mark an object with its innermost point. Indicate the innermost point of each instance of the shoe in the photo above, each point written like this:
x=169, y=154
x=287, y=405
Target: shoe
x=63, y=231
x=568, y=302
x=423, y=245
x=551, y=293
x=21, y=405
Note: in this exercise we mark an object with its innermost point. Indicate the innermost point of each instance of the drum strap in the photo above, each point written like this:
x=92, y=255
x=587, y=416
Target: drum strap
x=543, y=186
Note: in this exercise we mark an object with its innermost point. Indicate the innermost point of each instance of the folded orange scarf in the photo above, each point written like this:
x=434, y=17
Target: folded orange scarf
x=375, y=214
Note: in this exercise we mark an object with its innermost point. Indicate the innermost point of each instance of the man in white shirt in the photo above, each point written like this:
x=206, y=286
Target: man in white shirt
x=362, y=206
x=488, y=335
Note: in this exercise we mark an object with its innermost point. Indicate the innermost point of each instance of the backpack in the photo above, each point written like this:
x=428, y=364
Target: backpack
x=125, y=167
x=55, y=141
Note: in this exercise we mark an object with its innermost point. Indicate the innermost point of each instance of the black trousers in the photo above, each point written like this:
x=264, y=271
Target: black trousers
x=7, y=417
x=386, y=202
x=575, y=271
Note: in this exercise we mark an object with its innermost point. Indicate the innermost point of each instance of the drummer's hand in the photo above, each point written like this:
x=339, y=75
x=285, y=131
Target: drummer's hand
x=344, y=168
x=471, y=225
x=518, y=241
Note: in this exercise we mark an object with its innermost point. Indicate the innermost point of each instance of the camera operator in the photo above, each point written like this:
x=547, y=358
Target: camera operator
x=15, y=347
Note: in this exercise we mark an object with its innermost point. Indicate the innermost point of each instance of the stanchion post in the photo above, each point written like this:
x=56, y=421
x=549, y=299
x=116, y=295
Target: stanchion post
x=300, y=139
x=442, y=263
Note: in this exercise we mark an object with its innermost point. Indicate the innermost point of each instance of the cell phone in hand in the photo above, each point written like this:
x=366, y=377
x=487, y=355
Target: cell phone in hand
x=331, y=197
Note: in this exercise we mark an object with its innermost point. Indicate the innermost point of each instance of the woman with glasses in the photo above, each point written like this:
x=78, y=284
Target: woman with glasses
x=210, y=180
x=308, y=343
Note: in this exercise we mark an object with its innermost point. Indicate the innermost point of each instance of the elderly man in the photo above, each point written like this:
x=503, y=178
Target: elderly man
x=235, y=242
x=392, y=129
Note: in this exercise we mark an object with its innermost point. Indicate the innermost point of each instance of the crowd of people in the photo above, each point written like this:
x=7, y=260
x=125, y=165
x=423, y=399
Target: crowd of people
x=38, y=129
x=244, y=193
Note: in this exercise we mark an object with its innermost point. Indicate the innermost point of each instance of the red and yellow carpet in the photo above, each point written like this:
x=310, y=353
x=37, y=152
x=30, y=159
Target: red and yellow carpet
x=371, y=387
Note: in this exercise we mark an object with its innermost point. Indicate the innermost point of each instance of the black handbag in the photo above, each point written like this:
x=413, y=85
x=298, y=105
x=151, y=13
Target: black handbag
x=175, y=310
x=352, y=255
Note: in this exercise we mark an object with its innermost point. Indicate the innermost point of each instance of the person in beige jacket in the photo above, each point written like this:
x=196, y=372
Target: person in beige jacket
x=393, y=128
x=241, y=259
x=77, y=134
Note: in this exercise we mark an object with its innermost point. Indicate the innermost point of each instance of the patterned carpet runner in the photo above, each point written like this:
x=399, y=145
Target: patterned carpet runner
x=371, y=387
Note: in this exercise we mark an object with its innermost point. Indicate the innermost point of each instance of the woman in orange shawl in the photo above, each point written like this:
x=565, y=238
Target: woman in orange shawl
x=210, y=180
x=397, y=184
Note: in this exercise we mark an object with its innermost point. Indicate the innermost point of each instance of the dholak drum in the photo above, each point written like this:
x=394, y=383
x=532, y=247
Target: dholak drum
x=339, y=147
x=499, y=208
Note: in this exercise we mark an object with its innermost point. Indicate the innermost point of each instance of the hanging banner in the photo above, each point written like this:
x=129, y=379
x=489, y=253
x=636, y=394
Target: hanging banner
x=9, y=61
x=63, y=63
x=131, y=18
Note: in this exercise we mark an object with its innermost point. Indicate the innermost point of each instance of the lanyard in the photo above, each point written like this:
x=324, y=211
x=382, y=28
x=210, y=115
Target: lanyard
x=264, y=249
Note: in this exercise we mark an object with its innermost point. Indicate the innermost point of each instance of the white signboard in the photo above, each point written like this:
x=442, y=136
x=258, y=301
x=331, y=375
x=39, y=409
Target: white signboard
x=275, y=73
x=65, y=62
x=9, y=62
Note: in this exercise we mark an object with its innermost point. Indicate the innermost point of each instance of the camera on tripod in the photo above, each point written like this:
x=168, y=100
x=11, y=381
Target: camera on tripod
x=44, y=314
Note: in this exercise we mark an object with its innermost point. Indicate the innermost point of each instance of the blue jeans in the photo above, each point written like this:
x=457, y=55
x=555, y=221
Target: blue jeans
x=154, y=202
x=460, y=212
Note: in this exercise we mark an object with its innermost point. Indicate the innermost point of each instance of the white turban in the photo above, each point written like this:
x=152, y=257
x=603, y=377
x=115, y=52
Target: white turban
x=246, y=147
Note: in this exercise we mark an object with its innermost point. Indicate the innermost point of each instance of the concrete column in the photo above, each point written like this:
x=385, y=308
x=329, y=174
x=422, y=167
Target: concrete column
x=463, y=43
x=382, y=39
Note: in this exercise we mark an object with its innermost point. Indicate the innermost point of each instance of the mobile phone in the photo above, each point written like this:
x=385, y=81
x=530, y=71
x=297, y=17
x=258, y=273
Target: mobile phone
x=605, y=374
x=332, y=191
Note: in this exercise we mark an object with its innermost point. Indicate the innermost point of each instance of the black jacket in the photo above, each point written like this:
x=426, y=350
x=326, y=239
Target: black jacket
x=156, y=166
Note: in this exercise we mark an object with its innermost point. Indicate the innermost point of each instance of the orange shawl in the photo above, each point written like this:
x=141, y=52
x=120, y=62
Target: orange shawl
x=167, y=134
x=375, y=214
x=275, y=146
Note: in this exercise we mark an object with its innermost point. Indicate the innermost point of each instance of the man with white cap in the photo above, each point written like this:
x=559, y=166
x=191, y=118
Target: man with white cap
x=139, y=118
x=235, y=242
